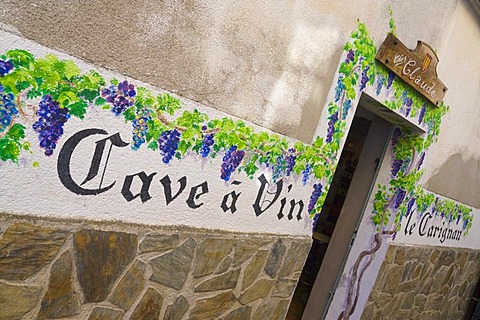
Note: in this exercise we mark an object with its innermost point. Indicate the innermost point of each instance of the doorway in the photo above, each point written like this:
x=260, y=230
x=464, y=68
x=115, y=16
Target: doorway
x=341, y=213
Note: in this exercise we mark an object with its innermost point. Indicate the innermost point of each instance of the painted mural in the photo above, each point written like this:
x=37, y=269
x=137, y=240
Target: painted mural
x=48, y=104
x=403, y=199
x=41, y=94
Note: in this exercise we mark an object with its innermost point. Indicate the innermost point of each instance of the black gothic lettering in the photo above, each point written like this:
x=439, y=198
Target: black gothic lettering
x=65, y=157
x=232, y=207
x=262, y=193
x=144, y=194
x=167, y=188
x=194, y=196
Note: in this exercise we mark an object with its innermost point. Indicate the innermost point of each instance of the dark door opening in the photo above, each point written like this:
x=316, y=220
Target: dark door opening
x=340, y=214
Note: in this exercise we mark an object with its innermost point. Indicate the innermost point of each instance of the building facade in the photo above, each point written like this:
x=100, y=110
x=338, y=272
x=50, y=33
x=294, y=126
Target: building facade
x=229, y=160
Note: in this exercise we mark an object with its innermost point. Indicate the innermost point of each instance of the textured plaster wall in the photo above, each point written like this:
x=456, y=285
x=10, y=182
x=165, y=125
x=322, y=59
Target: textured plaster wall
x=453, y=164
x=264, y=62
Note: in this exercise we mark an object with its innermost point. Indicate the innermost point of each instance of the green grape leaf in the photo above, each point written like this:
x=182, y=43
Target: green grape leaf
x=78, y=109
x=20, y=58
x=9, y=150
x=16, y=132
x=129, y=114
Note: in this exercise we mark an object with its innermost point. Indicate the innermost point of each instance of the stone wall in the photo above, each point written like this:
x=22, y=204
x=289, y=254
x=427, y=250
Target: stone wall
x=424, y=283
x=55, y=269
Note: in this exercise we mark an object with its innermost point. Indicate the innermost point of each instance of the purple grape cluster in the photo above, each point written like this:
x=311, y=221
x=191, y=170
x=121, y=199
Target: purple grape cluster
x=49, y=125
x=208, y=141
x=121, y=96
x=397, y=164
x=278, y=168
x=397, y=133
x=408, y=106
x=399, y=197
x=364, y=79
x=306, y=174
x=420, y=161
x=331, y=126
x=316, y=217
x=434, y=208
x=231, y=161
x=5, y=67
x=8, y=109
x=317, y=191
x=290, y=160
x=347, y=105
x=380, y=82
x=339, y=88
x=168, y=144
x=350, y=56
x=405, y=165
x=140, y=128
x=410, y=206
x=391, y=77
x=422, y=113
x=266, y=161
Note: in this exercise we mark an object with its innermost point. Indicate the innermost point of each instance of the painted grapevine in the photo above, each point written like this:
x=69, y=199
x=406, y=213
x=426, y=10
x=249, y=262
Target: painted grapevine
x=403, y=196
x=42, y=94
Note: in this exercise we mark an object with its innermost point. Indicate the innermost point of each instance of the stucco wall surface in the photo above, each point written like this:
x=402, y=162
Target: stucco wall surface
x=453, y=165
x=268, y=63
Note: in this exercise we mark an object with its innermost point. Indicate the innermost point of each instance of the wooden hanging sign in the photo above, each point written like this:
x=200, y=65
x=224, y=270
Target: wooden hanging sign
x=416, y=67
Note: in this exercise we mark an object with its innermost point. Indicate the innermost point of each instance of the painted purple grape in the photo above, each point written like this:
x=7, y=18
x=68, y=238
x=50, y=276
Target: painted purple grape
x=317, y=191
x=434, y=208
x=49, y=125
x=168, y=144
x=405, y=165
x=422, y=113
x=380, y=83
x=278, y=168
x=290, y=160
x=347, y=105
x=364, y=79
x=339, y=88
x=397, y=133
x=410, y=206
x=316, y=217
x=208, y=141
x=350, y=55
x=5, y=67
x=8, y=109
x=231, y=161
x=397, y=164
x=391, y=78
x=306, y=174
x=121, y=97
x=399, y=197
x=408, y=106
x=331, y=127
x=128, y=90
x=420, y=161
x=140, y=128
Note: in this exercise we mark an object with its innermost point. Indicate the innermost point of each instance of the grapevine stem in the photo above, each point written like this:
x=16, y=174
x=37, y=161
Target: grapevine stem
x=354, y=291
x=164, y=120
x=4, y=133
x=19, y=105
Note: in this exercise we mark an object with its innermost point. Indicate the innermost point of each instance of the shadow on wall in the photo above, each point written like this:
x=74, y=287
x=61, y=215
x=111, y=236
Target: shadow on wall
x=455, y=179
